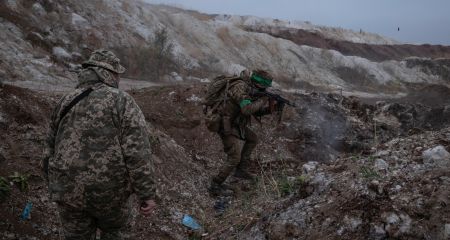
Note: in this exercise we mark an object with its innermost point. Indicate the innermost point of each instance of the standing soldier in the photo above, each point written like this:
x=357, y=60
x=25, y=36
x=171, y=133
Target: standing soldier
x=99, y=153
x=229, y=107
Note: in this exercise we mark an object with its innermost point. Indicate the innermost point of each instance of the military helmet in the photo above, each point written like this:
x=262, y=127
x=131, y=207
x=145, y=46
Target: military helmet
x=104, y=59
x=261, y=78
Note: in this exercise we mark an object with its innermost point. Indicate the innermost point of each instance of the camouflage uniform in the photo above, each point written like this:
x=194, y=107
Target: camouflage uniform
x=99, y=154
x=239, y=108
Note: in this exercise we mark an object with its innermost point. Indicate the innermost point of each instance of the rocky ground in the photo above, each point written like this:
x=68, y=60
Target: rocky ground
x=398, y=191
x=334, y=168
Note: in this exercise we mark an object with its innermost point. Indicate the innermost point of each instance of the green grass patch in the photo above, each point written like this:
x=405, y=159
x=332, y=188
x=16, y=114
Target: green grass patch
x=4, y=188
x=368, y=172
x=21, y=180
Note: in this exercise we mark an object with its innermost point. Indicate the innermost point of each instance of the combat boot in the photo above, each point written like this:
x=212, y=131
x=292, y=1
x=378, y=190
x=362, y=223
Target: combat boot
x=243, y=174
x=215, y=189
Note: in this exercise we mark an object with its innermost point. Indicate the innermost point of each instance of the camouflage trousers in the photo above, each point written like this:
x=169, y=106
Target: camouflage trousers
x=112, y=219
x=237, y=158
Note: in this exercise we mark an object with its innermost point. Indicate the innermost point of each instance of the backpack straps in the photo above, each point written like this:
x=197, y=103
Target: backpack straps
x=74, y=102
x=225, y=95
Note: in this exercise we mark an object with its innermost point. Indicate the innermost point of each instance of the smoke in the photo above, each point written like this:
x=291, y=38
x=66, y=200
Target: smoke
x=319, y=127
x=324, y=129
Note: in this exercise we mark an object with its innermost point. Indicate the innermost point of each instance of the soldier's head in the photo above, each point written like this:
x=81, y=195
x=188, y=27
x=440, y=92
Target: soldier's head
x=108, y=64
x=261, y=79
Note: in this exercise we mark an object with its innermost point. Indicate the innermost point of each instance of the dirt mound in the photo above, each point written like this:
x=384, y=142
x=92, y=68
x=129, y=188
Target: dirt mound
x=23, y=106
x=24, y=118
x=373, y=52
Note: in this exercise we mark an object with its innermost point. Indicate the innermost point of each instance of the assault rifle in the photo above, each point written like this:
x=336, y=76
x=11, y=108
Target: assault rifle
x=273, y=98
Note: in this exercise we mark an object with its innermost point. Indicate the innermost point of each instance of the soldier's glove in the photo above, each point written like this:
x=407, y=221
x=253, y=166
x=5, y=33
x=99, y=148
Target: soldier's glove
x=272, y=105
x=279, y=106
x=264, y=98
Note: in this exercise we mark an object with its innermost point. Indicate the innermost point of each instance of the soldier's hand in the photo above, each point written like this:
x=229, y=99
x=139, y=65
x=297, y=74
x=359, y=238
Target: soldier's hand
x=147, y=207
x=272, y=105
x=279, y=106
x=263, y=98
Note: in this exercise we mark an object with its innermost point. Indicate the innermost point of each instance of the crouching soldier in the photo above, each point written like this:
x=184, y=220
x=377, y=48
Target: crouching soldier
x=229, y=105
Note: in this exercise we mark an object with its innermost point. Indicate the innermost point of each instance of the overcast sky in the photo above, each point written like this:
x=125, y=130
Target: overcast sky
x=420, y=21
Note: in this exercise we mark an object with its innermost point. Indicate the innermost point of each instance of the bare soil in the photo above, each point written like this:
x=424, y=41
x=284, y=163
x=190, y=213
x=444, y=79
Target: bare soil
x=372, y=52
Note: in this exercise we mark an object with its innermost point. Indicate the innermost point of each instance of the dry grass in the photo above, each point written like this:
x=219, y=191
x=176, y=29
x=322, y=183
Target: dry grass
x=259, y=200
x=195, y=52
x=224, y=34
x=126, y=7
x=200, y=16
x=100, y=5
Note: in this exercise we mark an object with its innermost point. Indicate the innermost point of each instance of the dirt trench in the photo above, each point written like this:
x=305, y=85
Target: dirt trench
x=372, y=52
x=322, y=128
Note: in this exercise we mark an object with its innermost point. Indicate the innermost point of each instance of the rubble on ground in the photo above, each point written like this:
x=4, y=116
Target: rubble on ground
x=406, y=198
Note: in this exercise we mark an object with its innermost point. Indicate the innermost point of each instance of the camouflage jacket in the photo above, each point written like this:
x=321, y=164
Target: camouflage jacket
x=100, y=147
x=241, y=106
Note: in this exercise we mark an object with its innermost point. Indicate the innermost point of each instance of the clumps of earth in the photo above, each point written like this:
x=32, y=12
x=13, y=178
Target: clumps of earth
x=335, y=167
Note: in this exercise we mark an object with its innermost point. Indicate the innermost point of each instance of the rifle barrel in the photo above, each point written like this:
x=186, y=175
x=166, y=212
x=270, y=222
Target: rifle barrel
x=279, y=98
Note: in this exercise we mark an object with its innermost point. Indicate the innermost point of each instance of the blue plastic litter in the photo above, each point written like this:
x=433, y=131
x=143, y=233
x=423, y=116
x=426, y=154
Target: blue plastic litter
x=191, y=223
x=26, y=214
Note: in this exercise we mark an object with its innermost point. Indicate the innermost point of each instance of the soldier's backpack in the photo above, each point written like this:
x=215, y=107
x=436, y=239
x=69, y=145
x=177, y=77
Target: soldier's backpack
x=215, y=98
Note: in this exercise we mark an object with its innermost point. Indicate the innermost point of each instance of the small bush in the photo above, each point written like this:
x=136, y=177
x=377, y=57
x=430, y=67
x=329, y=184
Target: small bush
x=303, y=179
x=4, y=188
x=371, y=159
x=20, y=180
x=150, y=61
x=287, y=186
x=368, y=172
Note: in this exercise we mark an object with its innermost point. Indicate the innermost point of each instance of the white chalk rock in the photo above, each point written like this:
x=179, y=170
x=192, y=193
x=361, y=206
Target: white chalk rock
x=436, y=157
